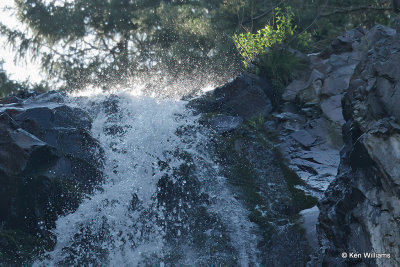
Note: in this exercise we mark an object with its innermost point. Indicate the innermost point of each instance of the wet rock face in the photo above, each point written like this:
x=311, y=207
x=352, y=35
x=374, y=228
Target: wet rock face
x=360, y=209
x=246, y=96
x=310, y=125
x=48, y=161
x=244, y=143
x=223, y=123
x=347, y=101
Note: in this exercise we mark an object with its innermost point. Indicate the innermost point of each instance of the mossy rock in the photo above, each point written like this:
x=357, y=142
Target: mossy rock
x=19, y=248
x=300, y=200
x=39, y=200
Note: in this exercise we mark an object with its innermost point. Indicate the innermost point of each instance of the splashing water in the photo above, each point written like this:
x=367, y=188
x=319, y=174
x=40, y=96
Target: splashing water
x=163, y=202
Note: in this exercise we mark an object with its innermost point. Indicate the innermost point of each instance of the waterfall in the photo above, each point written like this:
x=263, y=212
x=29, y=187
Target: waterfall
x=163, y=202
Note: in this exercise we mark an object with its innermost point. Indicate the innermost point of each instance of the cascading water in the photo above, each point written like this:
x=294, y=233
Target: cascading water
x=163, y=202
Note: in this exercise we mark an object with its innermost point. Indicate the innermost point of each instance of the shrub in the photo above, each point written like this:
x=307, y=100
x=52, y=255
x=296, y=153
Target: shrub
x=267, y=49
x=279, y=66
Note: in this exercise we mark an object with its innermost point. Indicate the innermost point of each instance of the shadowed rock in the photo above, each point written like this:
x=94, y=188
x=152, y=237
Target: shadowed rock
x=247, y=96
x=359, y=211
x=303, y=137
x=48, y=162
x=223, y=123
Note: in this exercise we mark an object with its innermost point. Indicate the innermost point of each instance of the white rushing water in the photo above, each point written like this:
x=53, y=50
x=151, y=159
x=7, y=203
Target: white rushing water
x=163, y=202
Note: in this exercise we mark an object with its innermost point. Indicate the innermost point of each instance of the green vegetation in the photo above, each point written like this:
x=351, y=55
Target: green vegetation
x=300, y=200
x=240, y=174
x=280, y=66
x=280, y=32
x=105, y=42
x=268, y=49
x=244, y=177
x=257, y=122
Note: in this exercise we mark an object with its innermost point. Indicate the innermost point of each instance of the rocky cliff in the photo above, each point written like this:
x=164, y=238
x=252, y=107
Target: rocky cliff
x=360, y=209
x=350, y=91
x=48, y=162
x=245, y=141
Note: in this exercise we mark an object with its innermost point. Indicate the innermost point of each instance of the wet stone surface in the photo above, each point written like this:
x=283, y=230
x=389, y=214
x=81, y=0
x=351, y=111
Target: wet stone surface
x=257, y=170
x=48, y=162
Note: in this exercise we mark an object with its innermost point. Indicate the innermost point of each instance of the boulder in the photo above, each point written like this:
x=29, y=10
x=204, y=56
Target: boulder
x=48, y=162
x=293, y=89
x=20, y=150
x=331, y=70
x=245, y=96
x=223, y=123
x=332, y=109
x=306, y=91
x=303, y=137
x=344, y=43
x=336, y=83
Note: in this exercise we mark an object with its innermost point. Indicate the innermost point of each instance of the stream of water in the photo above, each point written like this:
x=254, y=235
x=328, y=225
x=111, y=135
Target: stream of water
x=163, y=202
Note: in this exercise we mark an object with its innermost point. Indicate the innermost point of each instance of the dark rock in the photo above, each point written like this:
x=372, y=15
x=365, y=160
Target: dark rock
x=343, y=44
x=378, y=34
x=306, y=90
x=48, y=162
x=303, y=137
x=352, y=87
x=289, y=107
x=358, y=210
x=311, y=157
x=26, y=94
x=245, y=97
x=270, y=126
x=223, y=123
x=268, y=188
x=332, y=109
x=339, y=45
x=253, y=166
x=335, y=84
x=45, y=118
x=293, y=88
x=20, y=151
x=289, y=116
x=10, y=100
x=291, y=121
x=46, y=98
